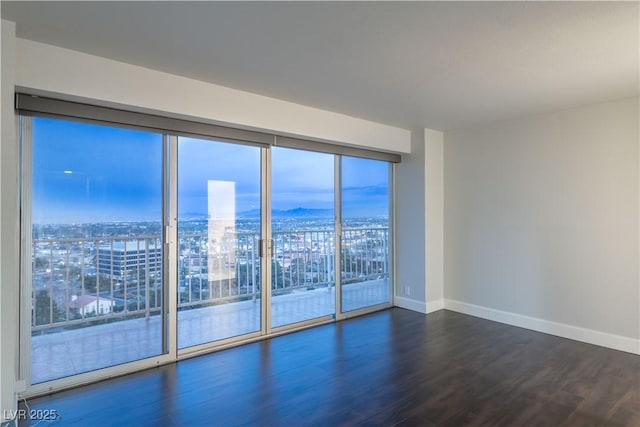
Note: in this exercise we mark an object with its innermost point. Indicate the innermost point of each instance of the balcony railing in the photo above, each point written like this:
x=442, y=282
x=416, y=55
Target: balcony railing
x=80, y=282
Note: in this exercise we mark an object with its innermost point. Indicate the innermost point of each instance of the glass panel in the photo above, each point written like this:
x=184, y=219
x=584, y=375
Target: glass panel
x=96, y=247
x=365, y=233
x=302, y=218
x=218, y=236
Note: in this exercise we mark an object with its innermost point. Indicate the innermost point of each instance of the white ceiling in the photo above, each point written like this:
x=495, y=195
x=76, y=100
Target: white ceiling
x=441, y=65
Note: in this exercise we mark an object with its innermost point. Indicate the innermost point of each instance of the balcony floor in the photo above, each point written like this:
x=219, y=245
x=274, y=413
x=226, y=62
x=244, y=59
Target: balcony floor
x=73, y=351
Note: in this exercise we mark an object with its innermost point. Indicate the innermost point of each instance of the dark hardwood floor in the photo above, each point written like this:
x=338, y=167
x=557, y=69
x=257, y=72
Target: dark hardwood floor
x=394, y=367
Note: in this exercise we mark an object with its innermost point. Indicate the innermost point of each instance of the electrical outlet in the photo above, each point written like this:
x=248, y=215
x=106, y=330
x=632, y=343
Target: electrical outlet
x=407, y=291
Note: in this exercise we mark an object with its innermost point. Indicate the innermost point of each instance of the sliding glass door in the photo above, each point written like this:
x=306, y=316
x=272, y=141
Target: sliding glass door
x=219, y=218
x=96, y=257
x=303, y=234
x=365, y=255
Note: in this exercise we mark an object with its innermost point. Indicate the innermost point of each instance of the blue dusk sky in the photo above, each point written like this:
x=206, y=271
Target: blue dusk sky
x=92, y=173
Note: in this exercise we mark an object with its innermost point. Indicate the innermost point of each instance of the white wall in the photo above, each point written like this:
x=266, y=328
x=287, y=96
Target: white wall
x=410, y=223
x=434, y=200
x=542, y=222
x=8, y=226
x=74, y=74
x=419, y=224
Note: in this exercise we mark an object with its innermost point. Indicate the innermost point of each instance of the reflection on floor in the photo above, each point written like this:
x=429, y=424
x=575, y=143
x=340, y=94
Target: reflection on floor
x=69, y=352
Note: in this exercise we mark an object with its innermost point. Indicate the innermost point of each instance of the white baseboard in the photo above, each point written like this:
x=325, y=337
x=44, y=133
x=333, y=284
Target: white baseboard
x=419, y=306
x=616, y=342
x=435, y=305
x=410, y=304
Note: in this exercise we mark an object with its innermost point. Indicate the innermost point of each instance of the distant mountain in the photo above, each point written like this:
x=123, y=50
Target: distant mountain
x=349, y=212
x=253, y=213
x=275, y=213
x=302, y=213
x=290, y=213
x=193, y=215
